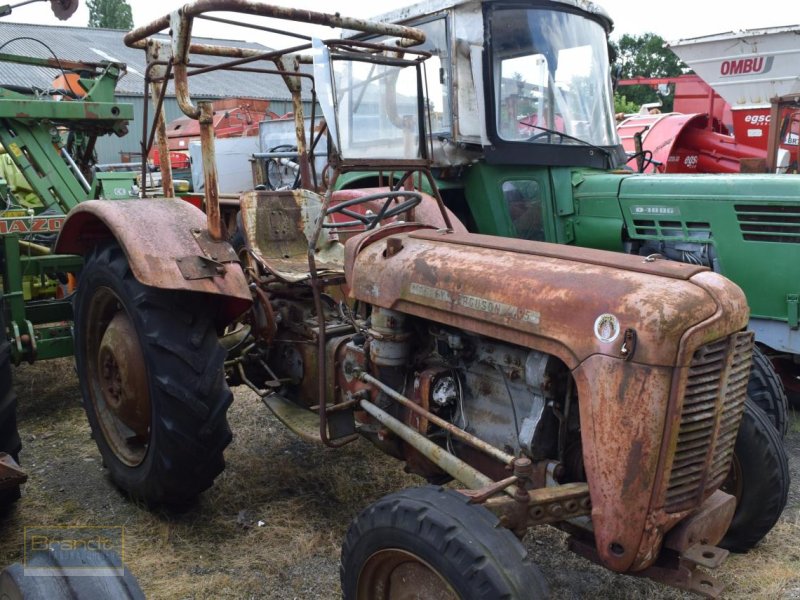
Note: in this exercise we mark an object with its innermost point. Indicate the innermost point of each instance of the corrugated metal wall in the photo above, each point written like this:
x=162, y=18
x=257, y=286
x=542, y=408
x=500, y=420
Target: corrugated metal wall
x=111, y=149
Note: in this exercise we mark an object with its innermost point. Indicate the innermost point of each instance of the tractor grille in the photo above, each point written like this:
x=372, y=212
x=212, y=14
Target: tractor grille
x=678, y=230
x=760, y=223
x=712, y=409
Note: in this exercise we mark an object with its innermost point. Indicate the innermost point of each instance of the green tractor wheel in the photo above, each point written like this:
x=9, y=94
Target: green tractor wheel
x=10, y=442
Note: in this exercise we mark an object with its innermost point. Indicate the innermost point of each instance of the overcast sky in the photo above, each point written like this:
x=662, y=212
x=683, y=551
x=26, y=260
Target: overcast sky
x=671, y=19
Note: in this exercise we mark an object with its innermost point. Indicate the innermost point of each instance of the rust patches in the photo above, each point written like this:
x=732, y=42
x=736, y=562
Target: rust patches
x=424, y=271
x=633, y=473
x=493, y=294
x=154, y=233
x=409, y=36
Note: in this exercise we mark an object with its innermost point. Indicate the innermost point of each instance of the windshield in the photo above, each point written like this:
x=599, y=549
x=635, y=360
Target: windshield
x=378, y=107
x=551, y=73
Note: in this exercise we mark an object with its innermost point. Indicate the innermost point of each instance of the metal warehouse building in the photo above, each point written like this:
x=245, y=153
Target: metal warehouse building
x=95, y=45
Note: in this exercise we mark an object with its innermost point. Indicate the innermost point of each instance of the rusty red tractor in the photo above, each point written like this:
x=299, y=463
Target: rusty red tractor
x=597, y=392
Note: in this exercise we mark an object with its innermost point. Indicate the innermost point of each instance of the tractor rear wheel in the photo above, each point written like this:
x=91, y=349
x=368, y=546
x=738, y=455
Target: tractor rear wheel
x=151, y=372
x=10, y=442
x=759, y=480
x=429, y=543
x=766, y=390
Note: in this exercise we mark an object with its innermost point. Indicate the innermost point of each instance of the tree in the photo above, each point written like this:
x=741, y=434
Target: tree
x=624, y=106
x=110, y=14
x=646, y=56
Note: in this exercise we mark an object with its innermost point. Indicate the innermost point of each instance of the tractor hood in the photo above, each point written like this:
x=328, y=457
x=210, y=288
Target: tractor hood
x=621, y=323
x=570, y=302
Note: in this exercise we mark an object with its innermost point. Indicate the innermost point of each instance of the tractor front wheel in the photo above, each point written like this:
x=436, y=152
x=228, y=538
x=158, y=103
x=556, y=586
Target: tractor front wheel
x=766, y=390
x=758, y=479
x=430, y=543
x=151, y=373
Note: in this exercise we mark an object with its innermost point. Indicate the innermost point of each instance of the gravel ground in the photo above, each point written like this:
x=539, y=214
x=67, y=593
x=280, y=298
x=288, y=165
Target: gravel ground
x=272, y=524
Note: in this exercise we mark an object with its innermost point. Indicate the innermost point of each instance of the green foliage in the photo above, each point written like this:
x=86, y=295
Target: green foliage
x=623, y=105
x=646, y=56
x=110, y=14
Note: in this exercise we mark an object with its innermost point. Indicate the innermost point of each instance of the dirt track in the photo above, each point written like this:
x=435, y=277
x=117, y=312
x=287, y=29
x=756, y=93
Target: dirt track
x=272, y=524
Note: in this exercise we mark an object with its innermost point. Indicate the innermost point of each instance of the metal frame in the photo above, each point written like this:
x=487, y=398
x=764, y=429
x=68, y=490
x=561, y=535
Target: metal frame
x=28, y=131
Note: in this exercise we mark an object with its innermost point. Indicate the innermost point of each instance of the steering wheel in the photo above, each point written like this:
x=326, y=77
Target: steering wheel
x=369, y=221
x=540, y=134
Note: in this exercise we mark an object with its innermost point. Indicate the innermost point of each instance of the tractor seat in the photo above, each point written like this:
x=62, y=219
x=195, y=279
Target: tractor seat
x=277, y=227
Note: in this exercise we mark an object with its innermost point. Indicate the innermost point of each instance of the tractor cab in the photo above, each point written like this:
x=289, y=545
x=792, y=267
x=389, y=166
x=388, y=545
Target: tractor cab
x=518, y=83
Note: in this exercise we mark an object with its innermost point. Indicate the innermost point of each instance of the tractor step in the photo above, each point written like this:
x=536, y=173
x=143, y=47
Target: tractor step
x=301, y=421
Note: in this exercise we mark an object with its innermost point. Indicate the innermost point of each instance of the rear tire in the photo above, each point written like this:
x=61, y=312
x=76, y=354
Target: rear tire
x=446, y=547
x=759, y=479
x=15, y=585
x=152, y=379
x=10, y=442
x=766, y=390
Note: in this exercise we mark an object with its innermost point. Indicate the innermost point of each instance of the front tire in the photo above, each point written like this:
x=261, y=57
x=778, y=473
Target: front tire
x=430, y=543
x=759, y=479
x=151, y=372
x=766, y=390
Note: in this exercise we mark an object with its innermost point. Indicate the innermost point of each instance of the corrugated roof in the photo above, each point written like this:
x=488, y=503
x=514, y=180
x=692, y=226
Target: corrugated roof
x=94, y=45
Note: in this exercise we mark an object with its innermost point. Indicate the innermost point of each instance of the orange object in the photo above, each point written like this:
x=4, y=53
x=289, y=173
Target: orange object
x=71, y=83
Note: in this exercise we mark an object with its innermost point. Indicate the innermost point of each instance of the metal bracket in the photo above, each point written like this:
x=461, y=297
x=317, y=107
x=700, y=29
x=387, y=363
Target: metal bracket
x=24, y=349
x=673, y=569
x=199, y=267
x=217, y=251
x=628, y=344
x=793, y=310
x=706, y=556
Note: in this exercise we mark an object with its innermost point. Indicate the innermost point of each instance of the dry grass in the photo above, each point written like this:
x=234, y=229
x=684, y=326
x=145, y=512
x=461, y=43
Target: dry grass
x=272, y=525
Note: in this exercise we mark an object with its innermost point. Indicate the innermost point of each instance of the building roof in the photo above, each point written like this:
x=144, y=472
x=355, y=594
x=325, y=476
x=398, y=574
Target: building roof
x=95, y=45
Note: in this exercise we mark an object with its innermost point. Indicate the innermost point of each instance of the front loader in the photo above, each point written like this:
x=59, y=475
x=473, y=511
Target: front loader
x=597, y=392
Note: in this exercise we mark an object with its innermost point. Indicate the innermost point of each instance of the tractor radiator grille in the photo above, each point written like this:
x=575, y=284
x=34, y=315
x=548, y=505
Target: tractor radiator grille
x=678, y=230
x=712, y=409
x=760, y=223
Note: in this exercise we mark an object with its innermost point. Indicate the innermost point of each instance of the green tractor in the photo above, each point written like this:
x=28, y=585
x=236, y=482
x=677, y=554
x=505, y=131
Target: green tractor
x=47, y=149
x=47, y=154
x=524, y=145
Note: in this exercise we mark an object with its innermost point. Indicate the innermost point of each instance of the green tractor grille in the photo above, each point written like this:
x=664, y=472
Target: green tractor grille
x=712, y=409
x=761, y=223
x=662, y=229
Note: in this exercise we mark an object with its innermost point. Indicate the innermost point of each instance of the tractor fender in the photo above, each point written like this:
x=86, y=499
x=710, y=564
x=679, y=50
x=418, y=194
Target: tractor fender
x=167, y=246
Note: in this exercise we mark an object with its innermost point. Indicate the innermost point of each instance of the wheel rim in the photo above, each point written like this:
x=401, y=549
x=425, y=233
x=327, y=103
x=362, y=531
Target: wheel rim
x=733, y=482
x=117, y=378
x=395, y=574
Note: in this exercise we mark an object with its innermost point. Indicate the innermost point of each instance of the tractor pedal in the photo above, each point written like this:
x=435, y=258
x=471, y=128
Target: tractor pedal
x=301, y=421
